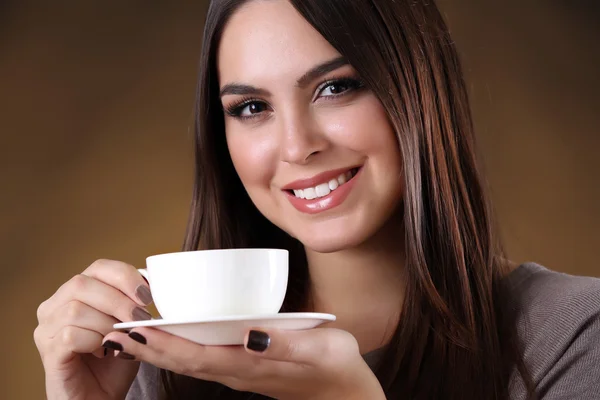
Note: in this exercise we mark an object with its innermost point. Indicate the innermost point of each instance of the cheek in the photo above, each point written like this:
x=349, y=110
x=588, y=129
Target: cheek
x=254, y=157
x=363, y=128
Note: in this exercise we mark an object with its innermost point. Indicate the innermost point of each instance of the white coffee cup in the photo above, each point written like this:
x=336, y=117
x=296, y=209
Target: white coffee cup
x=217, y=283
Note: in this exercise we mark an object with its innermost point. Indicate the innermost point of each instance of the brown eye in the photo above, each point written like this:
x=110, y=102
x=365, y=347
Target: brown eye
x=249, y=109
x=339, y=87
x=255, y=108
x=334, y=88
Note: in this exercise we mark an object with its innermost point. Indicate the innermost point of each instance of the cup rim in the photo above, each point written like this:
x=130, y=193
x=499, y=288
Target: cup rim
x=233, y=250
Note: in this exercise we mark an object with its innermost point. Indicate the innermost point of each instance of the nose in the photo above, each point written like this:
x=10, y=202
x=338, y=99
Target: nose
x=301, y=138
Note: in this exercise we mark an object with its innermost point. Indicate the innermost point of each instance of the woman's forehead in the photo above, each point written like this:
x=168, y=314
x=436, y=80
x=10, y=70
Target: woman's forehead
x=269, y=39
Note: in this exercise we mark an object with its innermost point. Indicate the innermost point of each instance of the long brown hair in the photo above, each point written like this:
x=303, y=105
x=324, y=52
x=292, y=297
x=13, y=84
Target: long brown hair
x=456, y=338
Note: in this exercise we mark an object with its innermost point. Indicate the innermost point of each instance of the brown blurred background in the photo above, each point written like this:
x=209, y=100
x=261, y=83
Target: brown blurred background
x=96, y=104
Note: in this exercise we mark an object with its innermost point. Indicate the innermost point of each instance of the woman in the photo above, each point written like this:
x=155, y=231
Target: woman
x=341, y=131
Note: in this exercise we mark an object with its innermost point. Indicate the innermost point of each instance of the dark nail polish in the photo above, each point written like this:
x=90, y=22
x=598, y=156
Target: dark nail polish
x=258, y=341
x=105, y=352
x=126, y=356
x=143, y=293
x=109, y=344
x=137, y=337
x=139, y=314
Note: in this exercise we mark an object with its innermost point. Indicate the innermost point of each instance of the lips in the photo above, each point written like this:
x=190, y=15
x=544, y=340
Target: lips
x=322, y=192
x=318, y=179
x=323, y=189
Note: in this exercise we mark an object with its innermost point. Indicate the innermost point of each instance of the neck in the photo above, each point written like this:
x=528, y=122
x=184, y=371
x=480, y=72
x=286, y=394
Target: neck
x=361, y=286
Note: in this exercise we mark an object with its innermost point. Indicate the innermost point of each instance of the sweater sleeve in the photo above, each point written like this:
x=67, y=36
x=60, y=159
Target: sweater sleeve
x=146, y=384
x=575, y=375
x=560, y=330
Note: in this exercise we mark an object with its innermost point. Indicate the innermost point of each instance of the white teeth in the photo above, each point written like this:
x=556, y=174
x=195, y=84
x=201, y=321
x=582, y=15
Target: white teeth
x=324, y=188
x=309, y=193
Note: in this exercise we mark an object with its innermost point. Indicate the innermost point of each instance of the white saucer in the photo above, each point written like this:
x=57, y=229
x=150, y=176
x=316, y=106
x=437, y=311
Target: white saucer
x=223, y=331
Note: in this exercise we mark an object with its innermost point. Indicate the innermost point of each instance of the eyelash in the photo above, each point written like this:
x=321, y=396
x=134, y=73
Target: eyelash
x=352, y=84
x=236, y=108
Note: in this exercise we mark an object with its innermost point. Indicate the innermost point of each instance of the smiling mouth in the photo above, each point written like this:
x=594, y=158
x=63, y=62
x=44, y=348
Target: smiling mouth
x=325, y=188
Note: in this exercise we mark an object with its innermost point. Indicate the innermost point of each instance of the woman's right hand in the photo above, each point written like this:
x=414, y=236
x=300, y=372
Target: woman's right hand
x=72, y=323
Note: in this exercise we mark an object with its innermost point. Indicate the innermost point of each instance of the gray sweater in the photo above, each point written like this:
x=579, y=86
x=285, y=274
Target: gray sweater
x=558, y=322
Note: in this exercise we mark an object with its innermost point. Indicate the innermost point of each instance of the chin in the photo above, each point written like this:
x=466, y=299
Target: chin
x=350, y=232
x=328, y=245
x=333, y=240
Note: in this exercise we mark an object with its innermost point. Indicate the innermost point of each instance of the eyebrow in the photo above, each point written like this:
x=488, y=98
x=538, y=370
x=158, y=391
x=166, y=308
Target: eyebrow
x=321, y=70
x=238, y=88
x=303, y=81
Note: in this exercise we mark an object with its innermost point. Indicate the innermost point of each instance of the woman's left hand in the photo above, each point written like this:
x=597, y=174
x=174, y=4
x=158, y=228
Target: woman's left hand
x=315, y=364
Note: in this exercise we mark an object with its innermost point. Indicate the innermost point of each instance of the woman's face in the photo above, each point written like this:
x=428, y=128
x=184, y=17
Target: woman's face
x=313, y=148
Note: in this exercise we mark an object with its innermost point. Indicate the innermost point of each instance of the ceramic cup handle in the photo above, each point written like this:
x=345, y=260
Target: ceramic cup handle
x=144, y=273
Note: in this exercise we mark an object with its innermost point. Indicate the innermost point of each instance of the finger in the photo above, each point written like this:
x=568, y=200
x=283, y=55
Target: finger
x=97, y=295
x=118, y=275
x=100, y=352
x=82, y=315
x=123, y=277
x=310, y=347
x=183, y=356
x=231, y=366
x=72, y=340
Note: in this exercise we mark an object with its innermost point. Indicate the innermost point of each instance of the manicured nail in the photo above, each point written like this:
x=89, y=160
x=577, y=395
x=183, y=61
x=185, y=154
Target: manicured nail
x=109, y=344
x=139, y=314
x=258, y=341
x=143, y=293
x=137, y=337
x=125, y=356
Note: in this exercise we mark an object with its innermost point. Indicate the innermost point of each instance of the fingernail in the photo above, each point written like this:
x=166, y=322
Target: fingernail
x=139, y=314
x=109, y=344
x=143, y=293
x=258, y=341
x=137, y=337
x=105, y=352
x=125, y=356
